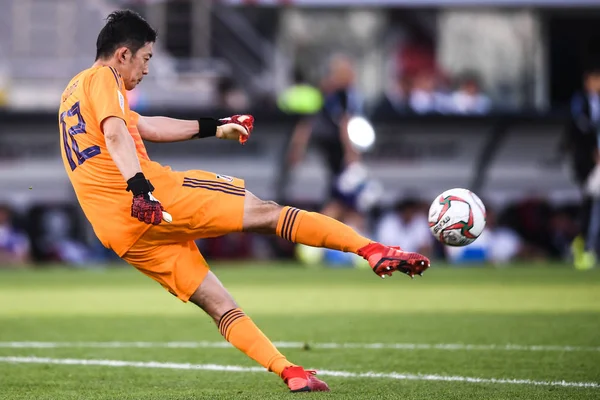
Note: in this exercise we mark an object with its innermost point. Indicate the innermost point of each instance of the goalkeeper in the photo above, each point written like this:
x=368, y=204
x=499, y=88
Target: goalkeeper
x=125, y=195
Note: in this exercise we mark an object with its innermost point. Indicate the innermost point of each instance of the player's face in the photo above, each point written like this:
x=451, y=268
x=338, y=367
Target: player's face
x=137, y=66
x=592, y=83
x=342, y=72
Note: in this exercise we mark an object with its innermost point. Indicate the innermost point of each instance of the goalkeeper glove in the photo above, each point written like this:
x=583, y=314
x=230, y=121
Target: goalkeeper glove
x=229, y=127
x=144, y=207
x=237, y=127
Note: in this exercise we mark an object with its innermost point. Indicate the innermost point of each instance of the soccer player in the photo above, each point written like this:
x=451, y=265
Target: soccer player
x=124, y=194
x=328, y=130
x=582, y=143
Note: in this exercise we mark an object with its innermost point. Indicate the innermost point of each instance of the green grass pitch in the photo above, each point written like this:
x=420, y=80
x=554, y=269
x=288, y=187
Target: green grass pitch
x=453, y=322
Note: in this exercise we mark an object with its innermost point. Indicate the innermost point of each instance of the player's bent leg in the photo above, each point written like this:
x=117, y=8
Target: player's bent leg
x=239, y=330
x=235, y=326
x=181, y=269
x=318, y=230
x=312, y=229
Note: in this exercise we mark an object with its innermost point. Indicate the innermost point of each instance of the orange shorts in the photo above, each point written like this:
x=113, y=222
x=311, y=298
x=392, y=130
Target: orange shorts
x=204, y=205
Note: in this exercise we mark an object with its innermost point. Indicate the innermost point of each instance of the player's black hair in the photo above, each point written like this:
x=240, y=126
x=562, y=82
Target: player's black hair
x=591, y=68
x=123, y=28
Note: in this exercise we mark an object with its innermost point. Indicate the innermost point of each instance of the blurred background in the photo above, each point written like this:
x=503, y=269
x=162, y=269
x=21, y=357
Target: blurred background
x=481, y=94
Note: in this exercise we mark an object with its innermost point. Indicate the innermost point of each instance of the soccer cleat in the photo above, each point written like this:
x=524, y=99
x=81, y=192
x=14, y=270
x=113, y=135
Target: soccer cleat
x=384, y=260
x=300, y=380
x=582, y=259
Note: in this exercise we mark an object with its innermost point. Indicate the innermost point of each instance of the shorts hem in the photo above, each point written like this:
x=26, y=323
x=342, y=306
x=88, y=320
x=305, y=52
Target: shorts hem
x=192, y=286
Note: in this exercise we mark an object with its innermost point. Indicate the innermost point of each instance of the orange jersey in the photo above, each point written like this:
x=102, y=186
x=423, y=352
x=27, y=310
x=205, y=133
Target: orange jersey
x=92, y=96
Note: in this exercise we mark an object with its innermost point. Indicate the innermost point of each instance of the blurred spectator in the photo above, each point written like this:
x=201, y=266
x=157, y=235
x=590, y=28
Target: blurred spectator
x=468, y=97
x=417, y=54
x=497, y=245
x=301, y=98
x=406, y=226
x=304, y=101
x=564, y=229
x=14, y=246
x=231, y=96
x=393, y=100
x=57, y=236
x=532, y=219
x=425, y=97
x=328, y=129
x=581, y=144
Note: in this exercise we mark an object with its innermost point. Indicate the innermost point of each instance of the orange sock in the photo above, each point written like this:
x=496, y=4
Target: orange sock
x=239, y=330
x=318, y=230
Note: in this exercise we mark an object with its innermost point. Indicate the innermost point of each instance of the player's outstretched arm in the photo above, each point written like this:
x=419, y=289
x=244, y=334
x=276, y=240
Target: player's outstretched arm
x=165, y=129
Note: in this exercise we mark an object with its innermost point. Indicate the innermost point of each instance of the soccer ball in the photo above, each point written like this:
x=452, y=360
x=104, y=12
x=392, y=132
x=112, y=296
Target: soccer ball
x=457, y=217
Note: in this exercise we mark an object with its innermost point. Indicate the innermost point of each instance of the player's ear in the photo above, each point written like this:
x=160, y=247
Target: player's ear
x=122, y=54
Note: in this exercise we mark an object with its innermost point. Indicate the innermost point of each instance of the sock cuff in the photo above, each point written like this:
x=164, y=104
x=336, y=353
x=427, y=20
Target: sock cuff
x=228, y=319
x=289, y=219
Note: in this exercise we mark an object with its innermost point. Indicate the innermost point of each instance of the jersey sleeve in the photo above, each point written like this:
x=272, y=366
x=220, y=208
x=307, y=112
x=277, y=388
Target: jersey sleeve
x=134, y=117
x=105, y=95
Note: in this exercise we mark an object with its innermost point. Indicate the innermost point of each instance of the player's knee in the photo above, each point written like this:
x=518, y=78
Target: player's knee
x=260, y=216
x=213, y=298
x=270, y=204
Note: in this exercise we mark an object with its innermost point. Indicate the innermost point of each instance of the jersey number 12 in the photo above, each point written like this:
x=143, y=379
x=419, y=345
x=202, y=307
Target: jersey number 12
x=69, y=133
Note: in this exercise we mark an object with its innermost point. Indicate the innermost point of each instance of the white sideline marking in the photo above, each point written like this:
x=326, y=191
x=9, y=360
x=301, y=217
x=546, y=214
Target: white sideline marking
x=341, y=374
x=300, y=345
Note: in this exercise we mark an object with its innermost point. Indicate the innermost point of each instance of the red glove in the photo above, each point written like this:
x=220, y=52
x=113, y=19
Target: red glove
x=246, y=121
x=146, y=210
x=144, y=206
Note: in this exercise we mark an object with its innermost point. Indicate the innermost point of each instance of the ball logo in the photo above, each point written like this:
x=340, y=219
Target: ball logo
x=441, y=224
x=225, y=178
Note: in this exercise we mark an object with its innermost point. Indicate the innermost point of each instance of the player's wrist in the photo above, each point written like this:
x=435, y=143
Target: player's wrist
x=139, y=185
x=207, y=127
